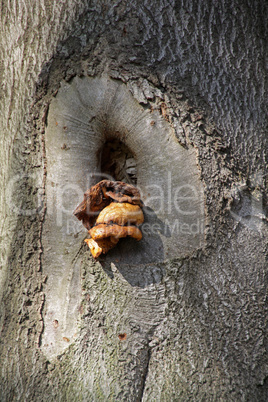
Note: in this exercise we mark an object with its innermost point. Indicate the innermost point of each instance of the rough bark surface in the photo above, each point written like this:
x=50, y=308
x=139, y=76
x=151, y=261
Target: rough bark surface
x=191, y=328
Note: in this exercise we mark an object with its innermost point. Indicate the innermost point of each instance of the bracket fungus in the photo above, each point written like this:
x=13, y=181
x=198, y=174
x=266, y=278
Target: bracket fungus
x=110, y=210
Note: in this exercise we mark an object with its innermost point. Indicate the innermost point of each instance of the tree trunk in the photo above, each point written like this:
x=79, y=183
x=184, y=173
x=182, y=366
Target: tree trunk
x=182, y=315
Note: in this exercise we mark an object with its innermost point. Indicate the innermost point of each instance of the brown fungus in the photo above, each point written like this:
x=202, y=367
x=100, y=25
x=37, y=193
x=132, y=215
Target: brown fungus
x=121, y=214
x=98, y=247
x=110, y=210
x=100, y=195
x=102, y=231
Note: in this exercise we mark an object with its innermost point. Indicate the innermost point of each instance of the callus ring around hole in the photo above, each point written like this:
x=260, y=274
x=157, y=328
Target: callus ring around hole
x=110, y=210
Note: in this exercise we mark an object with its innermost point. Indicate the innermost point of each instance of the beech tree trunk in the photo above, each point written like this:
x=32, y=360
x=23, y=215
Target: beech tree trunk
x=183, y=314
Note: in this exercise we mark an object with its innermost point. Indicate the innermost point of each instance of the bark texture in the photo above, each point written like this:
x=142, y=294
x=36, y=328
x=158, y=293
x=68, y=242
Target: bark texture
x=187, y=328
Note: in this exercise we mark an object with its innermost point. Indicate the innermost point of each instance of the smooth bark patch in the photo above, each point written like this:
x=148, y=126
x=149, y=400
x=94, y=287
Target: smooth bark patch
x=85, y=116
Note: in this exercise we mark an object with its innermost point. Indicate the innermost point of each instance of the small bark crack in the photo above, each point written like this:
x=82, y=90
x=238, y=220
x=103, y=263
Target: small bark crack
x=146, y=370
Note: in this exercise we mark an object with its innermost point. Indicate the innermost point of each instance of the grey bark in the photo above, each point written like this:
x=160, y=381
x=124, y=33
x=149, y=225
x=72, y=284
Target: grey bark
x=190, y=327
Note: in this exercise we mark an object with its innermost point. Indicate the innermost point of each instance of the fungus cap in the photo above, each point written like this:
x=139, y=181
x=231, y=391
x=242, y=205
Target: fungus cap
x=121, y=214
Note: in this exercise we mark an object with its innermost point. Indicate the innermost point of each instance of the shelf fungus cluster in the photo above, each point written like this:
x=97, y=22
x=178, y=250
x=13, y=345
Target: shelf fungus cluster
x=110, y=210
